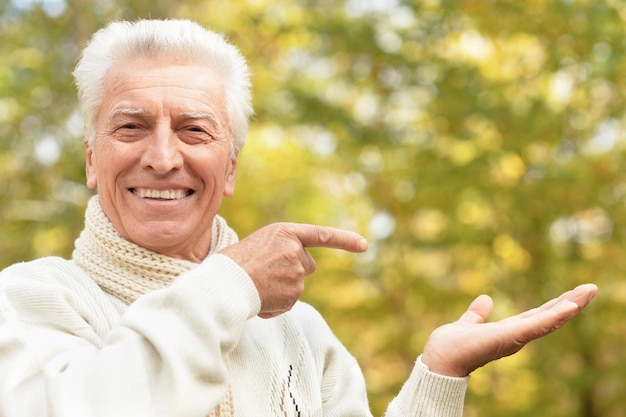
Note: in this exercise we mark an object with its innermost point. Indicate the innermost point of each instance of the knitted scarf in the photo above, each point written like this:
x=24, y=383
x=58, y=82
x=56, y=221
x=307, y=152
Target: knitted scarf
x=127, y=271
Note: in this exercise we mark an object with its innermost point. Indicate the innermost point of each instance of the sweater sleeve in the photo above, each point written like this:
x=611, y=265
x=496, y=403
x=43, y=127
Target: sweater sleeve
x=426, y=394
x=163, y=357
x=343, y=389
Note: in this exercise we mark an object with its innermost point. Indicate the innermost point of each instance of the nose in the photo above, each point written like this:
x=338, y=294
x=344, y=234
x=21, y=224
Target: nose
x=162, y=154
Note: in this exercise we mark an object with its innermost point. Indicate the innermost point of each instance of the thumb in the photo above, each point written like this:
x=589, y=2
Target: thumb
x=478, y=311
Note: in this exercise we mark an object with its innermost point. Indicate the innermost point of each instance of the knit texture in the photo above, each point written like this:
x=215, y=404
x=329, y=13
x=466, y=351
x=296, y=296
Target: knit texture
x=128, y=271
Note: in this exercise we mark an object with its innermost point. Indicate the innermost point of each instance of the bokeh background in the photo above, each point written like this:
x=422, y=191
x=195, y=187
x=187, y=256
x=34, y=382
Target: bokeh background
x=479, y=145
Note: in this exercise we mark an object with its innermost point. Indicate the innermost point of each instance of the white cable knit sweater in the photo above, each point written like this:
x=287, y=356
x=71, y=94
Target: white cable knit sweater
x=189, y=346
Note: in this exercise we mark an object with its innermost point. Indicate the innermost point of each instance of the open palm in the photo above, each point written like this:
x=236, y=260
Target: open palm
x=458, y=348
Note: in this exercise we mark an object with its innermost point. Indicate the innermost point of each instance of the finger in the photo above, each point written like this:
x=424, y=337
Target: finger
x=314, y=236
x=545, y=306
x=308, y=263
x=544, y=322
x=570, y=303
x=581, y=295
x=269, y=315
x=478, y=311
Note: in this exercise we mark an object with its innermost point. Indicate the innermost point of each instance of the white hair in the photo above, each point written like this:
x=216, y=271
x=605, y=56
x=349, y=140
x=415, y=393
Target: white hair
x=182, y=41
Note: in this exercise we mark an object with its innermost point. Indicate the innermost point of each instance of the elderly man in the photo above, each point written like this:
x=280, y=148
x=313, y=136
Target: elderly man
x=162, y=311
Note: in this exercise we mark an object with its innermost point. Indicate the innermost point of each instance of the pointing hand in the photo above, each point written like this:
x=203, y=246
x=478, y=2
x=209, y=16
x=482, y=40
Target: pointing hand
x=277, y=261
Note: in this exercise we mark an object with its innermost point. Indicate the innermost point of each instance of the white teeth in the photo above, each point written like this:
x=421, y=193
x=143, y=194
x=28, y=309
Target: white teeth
x=161, y=194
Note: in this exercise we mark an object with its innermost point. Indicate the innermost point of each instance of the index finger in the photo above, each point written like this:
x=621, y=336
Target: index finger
x=313, y=236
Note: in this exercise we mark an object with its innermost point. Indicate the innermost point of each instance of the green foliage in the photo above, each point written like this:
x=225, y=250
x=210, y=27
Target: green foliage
x=479, y=145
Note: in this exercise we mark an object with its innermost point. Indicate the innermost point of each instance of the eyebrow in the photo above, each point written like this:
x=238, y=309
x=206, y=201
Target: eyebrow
x=131, y=111
x=127, y=111
x=199, y=115
x=195, y=115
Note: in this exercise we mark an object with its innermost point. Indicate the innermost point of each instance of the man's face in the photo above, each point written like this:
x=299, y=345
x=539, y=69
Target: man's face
x=161, y=159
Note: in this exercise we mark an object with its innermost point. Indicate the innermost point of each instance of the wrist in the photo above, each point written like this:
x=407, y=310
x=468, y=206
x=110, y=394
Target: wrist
x=440, y=366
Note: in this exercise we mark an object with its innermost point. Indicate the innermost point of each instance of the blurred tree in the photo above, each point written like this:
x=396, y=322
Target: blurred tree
x=479, y=145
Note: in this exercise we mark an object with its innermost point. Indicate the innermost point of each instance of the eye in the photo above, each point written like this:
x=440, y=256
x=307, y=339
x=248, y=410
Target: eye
x=128, y=131
x=194, y=134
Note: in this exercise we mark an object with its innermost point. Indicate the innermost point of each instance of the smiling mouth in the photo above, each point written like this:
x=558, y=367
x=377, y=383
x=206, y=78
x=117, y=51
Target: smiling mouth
x=161, y=194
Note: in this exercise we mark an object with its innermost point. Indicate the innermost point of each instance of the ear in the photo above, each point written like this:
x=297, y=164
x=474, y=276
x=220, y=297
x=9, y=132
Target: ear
x=231, y=176
x=90, y=166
